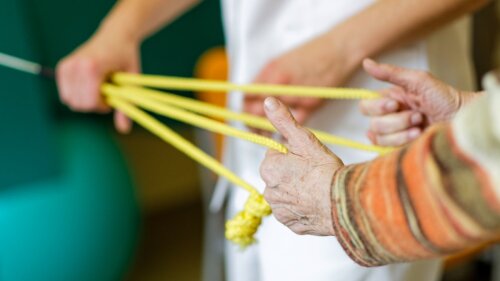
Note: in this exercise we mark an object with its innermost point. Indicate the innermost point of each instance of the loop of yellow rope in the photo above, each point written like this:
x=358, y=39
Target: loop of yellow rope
x=191, y=84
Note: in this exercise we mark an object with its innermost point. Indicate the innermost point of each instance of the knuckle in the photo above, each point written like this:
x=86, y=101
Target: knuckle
x=63, y=69
x=263, y=169
x=268, y=195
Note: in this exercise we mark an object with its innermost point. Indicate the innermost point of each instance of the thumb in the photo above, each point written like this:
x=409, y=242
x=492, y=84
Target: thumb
x=280, y=116
x=389, y=73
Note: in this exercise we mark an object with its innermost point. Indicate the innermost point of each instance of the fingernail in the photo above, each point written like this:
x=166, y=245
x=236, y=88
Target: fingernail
x=416, y=118
x=271, y=104
x=391, y=105
x=413, y=134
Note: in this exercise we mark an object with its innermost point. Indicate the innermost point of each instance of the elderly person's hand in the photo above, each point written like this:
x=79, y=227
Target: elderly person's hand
x=416, y=101
x=298, y=184
x=316, y=63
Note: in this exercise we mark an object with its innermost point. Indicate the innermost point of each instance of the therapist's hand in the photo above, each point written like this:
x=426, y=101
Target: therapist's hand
x=416, y=101
x=80, y=75
x=316, y=63
x=298, y=184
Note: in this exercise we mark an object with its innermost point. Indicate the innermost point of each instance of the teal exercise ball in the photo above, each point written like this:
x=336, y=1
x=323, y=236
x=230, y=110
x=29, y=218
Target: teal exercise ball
x=81, y=224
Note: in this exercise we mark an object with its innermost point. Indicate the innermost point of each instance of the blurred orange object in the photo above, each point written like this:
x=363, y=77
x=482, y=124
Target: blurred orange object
x=213, y=65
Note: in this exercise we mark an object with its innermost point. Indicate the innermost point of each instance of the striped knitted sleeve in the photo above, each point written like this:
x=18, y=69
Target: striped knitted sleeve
x=439, y=195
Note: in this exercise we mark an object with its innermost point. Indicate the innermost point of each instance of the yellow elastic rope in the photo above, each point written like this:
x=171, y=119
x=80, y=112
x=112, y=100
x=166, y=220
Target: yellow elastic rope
x=191, y=84
x=248, y=119
x=244, y=225
x=131, y=95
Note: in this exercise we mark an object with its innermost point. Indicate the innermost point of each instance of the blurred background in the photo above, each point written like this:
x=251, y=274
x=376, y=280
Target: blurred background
x=80, y=202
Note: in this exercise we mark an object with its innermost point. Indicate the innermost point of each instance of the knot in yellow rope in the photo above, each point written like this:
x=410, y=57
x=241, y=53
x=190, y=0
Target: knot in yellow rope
x=257, y=206
x=244, y=225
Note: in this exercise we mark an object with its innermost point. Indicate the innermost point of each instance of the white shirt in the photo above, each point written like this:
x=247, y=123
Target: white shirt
x=260, y=30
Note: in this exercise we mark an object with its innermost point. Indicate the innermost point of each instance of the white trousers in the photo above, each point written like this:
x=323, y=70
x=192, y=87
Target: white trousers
x=280, y=254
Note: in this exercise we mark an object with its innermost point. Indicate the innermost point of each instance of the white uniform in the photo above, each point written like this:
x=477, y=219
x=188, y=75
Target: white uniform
x=259, y=30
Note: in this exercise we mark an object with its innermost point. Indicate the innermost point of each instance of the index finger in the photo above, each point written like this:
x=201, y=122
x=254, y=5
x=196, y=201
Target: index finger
x=281, y=118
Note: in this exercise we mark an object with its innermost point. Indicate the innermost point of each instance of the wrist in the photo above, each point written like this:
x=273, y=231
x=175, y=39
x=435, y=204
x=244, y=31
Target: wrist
x=467, y=97
x=124, y=23
x=342, y=48
x=113, y=30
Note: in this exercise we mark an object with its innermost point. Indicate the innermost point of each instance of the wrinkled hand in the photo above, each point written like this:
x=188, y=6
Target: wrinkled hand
x=298, y=184
x=416, y=101
x=316, y=63
x=80, y=75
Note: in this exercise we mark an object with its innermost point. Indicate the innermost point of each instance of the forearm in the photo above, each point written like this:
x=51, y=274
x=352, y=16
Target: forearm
x=435, y=197
x=467, y=97
x=390, y=23
x=138, y=19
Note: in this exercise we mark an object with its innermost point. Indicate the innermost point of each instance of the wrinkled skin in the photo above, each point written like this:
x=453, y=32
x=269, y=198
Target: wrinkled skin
x=416, y=101
x=298, y=184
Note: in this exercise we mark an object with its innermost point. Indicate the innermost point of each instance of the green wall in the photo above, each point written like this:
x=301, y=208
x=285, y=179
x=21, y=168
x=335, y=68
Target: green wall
x=47, y=30
x=68, y=208
x=62, y=25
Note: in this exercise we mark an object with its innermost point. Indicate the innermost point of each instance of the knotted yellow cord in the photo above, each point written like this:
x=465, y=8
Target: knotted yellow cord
x=244, y=225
